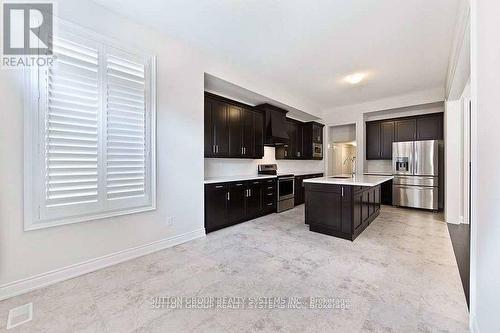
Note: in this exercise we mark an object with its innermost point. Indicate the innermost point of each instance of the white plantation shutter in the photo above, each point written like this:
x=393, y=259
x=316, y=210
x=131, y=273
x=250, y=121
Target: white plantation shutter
x=71, y=126
x=127, y=146
x=90, y=134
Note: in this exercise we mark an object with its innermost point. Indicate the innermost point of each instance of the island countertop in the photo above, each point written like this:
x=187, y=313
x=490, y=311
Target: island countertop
x=357, y=180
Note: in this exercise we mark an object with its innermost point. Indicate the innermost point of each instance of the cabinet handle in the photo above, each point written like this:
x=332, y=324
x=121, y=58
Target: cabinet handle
x=228, y=196
x=241, y=150
x=342, y=190
x=213, y=149
x=250, y=192
x=219, y=186
x=270, y=204
x=217, y=149
x=239, y=184
x=270, y=194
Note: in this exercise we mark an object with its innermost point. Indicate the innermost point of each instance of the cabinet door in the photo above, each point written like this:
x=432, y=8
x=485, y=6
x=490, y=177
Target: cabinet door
x=357, y=211
x=292, y=144
x=236, y=202
x=254, y=199
x=430, y=127
x=327, y=215
x=259, y=135
x=220, y=128
x=248, y=133
x=386, y=140
x=215, y=206
x=317, y=134
x=373, y=141
x=209, y=146
x=405, y=130
x=299, y=150
x=299, y=190
x=235, y=131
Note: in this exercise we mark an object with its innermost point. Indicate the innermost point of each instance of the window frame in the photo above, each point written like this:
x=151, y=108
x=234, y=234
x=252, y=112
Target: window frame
x=33, y=131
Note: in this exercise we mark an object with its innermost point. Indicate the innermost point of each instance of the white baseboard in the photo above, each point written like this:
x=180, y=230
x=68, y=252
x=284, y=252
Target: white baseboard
x=45, y=279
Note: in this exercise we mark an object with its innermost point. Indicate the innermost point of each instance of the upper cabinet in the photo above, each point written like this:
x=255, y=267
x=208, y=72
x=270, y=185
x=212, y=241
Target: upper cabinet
x=405, y=130
x=381, y=134
x=232, y=129
x=430, y=127
x=303, y=140
x=313, y=140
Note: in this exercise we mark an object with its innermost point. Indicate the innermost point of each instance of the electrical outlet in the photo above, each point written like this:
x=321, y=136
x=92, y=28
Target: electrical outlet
x=170, y=220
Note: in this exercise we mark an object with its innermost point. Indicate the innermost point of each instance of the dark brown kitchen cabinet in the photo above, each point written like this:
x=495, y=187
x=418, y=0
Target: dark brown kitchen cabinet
x=373, y=140
x=317, y=132
x=216, y=128
x=235, y=131
x=349, y=211
x=405, y=130
x=216, y=196
x=259, y=135
x=386, y=139
x=327, y=217
x=430, y=127
x=300, y=188
x=312, y=136
x=302, y=138
x=380, y=135
x=379, y=139
x=232, y=129
x=254, y=199
x=234, y=202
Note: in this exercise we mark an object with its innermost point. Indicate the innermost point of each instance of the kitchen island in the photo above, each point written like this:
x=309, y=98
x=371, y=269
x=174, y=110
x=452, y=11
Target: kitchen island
x=342, y=206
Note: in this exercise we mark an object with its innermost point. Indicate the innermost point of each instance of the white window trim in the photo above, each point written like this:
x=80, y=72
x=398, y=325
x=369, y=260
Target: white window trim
x=31, y=199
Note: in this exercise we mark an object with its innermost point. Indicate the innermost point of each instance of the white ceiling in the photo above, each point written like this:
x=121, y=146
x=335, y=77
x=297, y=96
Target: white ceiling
x=309, y=46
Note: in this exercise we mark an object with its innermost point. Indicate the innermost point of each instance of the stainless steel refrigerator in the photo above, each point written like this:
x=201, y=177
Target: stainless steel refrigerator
x=417, y=169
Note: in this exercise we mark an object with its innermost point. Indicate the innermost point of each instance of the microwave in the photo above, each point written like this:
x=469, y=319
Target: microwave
x=317, y=150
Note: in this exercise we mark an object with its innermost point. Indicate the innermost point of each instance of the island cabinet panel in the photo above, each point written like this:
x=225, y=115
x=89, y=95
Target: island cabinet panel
x=341, y=210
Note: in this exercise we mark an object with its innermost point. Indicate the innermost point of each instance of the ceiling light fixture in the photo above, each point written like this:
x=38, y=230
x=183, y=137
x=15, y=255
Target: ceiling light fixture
x=355, y=78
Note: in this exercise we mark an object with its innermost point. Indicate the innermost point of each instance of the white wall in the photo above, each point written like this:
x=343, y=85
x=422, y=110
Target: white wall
x=453, y=210
x=221, y=167
x=180, y=161
x=485, y=237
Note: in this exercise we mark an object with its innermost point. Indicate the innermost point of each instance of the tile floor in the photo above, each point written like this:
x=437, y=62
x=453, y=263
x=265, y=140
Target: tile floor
x=400, y=275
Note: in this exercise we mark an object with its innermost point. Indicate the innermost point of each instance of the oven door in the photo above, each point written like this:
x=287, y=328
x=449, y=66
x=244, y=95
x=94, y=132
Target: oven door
x=286, y=188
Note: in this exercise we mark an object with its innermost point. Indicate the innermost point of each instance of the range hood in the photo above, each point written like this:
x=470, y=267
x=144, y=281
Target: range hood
x=276, y=126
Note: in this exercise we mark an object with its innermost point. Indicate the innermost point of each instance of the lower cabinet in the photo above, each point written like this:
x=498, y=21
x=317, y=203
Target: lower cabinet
x=349, y=211
x=300, y=189
x=231, y=203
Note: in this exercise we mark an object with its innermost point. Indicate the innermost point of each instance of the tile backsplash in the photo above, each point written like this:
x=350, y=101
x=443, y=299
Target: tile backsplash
x=221, y=167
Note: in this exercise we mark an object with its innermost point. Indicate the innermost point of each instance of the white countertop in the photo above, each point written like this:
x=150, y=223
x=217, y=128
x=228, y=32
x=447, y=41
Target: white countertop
x=213, y=180
x=224, y=179
x=302, y=173
x=378, y=173
x=358, y=180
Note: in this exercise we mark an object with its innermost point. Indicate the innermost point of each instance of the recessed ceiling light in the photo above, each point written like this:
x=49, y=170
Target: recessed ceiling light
x=354, y=78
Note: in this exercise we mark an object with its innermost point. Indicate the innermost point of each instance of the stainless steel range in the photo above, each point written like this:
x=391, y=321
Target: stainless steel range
x=286, y=186
x=417, y=174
